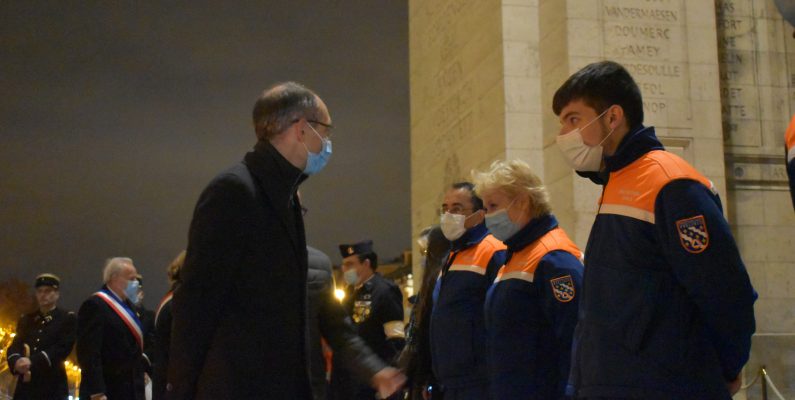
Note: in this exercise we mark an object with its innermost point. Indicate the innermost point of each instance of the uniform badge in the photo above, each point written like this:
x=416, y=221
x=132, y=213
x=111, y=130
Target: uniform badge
x=361, y=311
x=563, y=288
x=350, y=250
x=693, y=234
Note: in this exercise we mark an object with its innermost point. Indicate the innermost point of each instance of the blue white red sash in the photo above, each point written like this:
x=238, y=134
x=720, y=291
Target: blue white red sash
x=163, y=302
x=125, y=313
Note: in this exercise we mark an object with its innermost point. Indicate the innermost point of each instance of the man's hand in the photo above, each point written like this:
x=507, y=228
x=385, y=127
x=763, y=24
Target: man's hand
x=734, y=386
x=22, y=366
x=387, y=381
x=99, y=396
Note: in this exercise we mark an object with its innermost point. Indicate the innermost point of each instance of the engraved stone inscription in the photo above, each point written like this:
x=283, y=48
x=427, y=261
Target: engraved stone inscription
x=650, y=39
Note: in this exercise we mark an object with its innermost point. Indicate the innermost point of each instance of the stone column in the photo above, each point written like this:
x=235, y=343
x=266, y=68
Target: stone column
x=757, y=67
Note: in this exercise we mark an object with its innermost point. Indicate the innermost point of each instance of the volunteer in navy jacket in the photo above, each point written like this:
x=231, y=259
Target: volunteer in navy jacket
x=667, y=307
x=531, y=309
x=789, y=141
x=109, y=338
x=457, y=330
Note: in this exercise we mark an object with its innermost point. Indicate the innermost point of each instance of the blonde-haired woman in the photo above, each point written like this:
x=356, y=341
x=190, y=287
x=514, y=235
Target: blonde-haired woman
x=531, y=308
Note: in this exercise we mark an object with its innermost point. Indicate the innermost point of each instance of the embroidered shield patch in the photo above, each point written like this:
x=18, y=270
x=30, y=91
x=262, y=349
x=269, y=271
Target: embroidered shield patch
x=361, y=311
x=693, y=234
x=563, y=288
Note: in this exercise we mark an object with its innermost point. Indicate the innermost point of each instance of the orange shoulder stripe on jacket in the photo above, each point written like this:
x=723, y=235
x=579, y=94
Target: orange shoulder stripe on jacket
x=790, y=139
x=476, y=258
x=523, y=263
x=632, y=191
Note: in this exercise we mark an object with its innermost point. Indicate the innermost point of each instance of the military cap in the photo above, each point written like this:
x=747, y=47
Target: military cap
x=363, y=247
x=48, y=280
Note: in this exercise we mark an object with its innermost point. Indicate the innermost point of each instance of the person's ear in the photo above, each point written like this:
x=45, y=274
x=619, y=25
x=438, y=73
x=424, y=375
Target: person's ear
x=615, y=115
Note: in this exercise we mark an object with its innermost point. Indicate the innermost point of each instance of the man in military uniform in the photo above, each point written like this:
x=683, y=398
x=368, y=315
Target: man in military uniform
x=43, y=341
x=376, y=306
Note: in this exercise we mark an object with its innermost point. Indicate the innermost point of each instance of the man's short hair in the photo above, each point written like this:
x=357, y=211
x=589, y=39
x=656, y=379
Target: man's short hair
x=601, y=85
x=369, y=256
x=477, y=202
x=113, y=266
x=280, y=106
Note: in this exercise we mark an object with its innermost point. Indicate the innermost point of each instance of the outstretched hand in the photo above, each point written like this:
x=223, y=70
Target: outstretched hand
x=388, y=381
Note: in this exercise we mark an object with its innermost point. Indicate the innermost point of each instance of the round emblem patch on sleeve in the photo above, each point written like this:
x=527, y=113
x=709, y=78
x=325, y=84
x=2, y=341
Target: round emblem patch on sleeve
x=563, y=288
x=693, y=234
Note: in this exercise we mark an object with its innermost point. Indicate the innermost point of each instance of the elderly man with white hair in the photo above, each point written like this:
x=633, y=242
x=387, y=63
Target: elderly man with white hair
x=109, y=338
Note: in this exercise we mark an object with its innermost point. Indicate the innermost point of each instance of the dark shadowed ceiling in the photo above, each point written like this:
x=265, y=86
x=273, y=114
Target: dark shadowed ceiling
x=114, y=117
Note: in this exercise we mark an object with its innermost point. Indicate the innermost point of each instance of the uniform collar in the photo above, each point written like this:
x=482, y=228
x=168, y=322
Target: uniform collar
x=531, y=232
x=471, y=237
x=636, y=143
x=361, y=285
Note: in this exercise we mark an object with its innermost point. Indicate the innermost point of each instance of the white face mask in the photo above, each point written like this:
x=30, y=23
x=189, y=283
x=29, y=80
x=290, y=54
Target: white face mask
x=579, y=155
x=453, y=225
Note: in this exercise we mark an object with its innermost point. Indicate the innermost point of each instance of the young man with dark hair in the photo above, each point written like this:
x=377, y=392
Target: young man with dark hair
x=458, y=333
x=667, y=306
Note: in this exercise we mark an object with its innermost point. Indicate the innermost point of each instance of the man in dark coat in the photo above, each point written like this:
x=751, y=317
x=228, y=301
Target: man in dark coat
x=110, y=339
x=43, y=341
x=240, y=315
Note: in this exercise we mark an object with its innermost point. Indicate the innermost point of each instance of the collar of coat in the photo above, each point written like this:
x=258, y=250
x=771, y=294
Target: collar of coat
x=531, y=232
x=636, y=143
x=279, y=177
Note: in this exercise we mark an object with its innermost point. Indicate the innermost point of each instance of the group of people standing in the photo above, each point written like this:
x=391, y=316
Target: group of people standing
x=657, y=306
x=118, y=342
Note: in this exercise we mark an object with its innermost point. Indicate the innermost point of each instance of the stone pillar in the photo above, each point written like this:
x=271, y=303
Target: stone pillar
x=457, y=98
x=757, y=67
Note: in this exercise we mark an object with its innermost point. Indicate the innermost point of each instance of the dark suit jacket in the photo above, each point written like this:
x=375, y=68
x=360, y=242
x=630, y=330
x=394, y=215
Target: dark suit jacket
x=50, y=339
x=110, y=358
x=160, y=357
x=239, y=316
x=327, y=318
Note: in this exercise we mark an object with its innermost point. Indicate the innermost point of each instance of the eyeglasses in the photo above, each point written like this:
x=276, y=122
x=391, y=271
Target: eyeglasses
x=455, y=210
x=328, y=127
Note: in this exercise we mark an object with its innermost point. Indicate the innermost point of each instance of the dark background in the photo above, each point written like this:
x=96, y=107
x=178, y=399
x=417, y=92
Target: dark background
x=113, y=117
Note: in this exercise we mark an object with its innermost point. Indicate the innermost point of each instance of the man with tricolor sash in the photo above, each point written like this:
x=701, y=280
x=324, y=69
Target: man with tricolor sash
x=109, y=337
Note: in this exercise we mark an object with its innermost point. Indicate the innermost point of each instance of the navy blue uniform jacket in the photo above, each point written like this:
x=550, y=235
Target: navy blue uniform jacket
x=531, y=311
x=667, y=308
x=458, y=337
x=50, y=338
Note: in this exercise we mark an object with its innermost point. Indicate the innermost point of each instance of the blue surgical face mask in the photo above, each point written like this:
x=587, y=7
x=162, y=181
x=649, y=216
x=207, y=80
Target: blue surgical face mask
x=500, y=225
x=351, y=276
x=131, y=291
x=316, y=161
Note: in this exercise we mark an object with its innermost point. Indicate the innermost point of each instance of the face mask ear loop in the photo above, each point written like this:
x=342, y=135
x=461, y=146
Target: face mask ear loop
x=611, y=131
